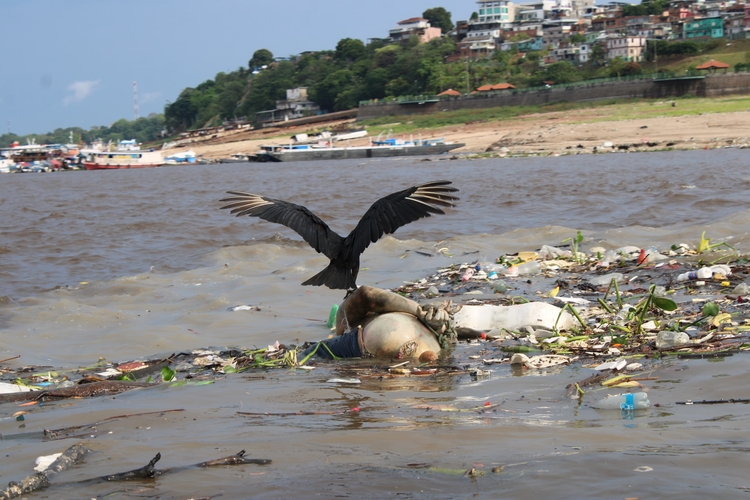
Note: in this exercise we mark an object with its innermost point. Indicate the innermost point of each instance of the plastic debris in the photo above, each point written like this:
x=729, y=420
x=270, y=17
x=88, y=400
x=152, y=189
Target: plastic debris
x=6, y=388
x=666, y=339
x=244, y=307
x=627, y=402
x=540, y=362
x=43, y=462
x=606, y=279
x=536, y=314
x=612, y=365
x=344, y=381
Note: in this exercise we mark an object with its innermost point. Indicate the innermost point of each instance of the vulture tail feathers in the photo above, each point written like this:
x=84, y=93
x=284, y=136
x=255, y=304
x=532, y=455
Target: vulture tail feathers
x=333, y=277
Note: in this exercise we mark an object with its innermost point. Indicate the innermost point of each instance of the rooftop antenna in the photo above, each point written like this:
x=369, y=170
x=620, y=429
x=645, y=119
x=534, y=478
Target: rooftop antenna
x=135, y=100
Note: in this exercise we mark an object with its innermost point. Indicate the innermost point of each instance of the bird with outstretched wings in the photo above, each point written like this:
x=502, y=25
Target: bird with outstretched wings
x=383, y=217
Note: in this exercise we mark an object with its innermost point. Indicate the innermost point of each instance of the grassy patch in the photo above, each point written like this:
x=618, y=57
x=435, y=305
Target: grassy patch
x=605, y=110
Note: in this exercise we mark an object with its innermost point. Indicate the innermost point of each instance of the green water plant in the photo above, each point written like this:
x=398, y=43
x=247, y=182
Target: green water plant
x=574, y=242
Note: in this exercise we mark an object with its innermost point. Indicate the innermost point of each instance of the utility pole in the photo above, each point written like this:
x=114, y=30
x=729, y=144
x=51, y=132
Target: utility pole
x=135, y=100
x=468, y=89
x=656, y=65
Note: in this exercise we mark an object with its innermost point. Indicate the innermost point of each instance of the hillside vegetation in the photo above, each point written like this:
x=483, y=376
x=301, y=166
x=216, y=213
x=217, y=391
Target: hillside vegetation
x=339, y=79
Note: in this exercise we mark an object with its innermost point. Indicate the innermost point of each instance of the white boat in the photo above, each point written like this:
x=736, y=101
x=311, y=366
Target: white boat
x=378, y=149
x=6, y=165
x=180, y=158
x=127, y=155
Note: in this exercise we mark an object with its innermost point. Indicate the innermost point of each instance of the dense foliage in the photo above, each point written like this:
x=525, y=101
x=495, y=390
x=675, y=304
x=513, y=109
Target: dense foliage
x=354, y=71
x=142, y=130
x=646, y=7
x=439, y=18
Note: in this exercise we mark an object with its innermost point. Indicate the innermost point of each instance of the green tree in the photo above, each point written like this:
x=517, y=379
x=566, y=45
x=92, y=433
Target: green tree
x=598, y=55
x=397, y=87
x=439, y=18
x=617, y=67
x=562, y=72
x=326, y=92
x=577, y=39
x=350, y=50
x=386, y=56
x=181, y=114
x=261, y=57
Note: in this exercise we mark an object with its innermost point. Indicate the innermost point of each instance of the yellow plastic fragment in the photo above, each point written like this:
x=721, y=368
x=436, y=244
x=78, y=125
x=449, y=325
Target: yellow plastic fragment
x=615, y=380
x=627, y=385
x=704, y=243
x=527, y=256
x=722, y=318
x=554, y=292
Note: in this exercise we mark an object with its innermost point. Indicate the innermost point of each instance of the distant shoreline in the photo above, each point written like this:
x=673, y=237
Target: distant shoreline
x=605, y=129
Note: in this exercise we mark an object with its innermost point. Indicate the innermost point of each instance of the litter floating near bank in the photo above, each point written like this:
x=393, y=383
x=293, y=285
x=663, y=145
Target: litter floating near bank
x=617, y=312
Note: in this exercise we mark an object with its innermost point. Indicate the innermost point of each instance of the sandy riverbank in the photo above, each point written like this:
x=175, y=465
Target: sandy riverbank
x=548, y=133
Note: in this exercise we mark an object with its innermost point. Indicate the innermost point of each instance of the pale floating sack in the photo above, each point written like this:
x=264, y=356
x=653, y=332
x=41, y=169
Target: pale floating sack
x=534, y=314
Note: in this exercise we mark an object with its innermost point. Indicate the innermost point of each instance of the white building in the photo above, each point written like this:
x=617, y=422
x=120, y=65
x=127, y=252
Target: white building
x=495, y=11
x=629, y=47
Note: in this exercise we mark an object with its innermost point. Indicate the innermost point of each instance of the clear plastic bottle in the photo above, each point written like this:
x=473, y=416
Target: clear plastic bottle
x=606, y=279
x=666, y=339
x=701, y=274
x=742, y=289
x=629, y=401
x=490, y=267
x=530, y=267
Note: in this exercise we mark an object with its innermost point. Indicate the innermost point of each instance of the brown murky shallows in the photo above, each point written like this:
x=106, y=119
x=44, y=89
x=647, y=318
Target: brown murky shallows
x=134, y=264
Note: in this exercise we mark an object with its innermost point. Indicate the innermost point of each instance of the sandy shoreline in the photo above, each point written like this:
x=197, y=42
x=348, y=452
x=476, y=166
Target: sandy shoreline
x=569, y=132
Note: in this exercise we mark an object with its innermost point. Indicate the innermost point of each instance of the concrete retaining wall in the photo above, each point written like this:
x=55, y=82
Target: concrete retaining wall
x=711, y=86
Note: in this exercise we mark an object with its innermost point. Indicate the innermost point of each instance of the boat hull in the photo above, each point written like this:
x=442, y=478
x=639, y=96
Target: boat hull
x=98, y=166
x=314, y=154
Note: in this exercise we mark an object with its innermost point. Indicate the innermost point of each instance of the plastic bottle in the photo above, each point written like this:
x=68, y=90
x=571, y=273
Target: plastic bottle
x=606, y=279
x=332, y=316
x=489, y=268
x=531, y=267
x=623, y=314
x=628, y=402
x=741, y=289
x=701, y=274
x=666, y=339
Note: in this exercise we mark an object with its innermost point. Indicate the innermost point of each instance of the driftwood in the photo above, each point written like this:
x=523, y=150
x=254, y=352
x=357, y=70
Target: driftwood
x=145, y=472
x=77, y=452
x=66, y=432
x=85, y=429
x=40, y=480
x=149, y=470
x=102, y=388
x=594, y=379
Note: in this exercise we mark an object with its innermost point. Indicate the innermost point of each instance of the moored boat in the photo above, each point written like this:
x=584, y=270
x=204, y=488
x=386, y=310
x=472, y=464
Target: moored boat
x=127, y=155
x=378, y=149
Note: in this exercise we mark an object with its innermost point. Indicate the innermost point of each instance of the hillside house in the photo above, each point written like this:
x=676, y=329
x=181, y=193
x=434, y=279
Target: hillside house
x=627, y=47
x=296, y=105
x=415, y=26
x=476, y=48
x=707, y=27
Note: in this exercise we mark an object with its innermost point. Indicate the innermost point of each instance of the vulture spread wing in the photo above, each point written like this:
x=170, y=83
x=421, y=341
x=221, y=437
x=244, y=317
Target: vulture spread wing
x=398, y=209
x=308, y=225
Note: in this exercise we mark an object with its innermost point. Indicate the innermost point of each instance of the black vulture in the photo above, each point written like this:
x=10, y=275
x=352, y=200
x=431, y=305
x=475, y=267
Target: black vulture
x=383, y=217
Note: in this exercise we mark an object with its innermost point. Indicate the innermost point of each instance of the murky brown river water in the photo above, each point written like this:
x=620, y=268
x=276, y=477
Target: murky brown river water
x=139, y=263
